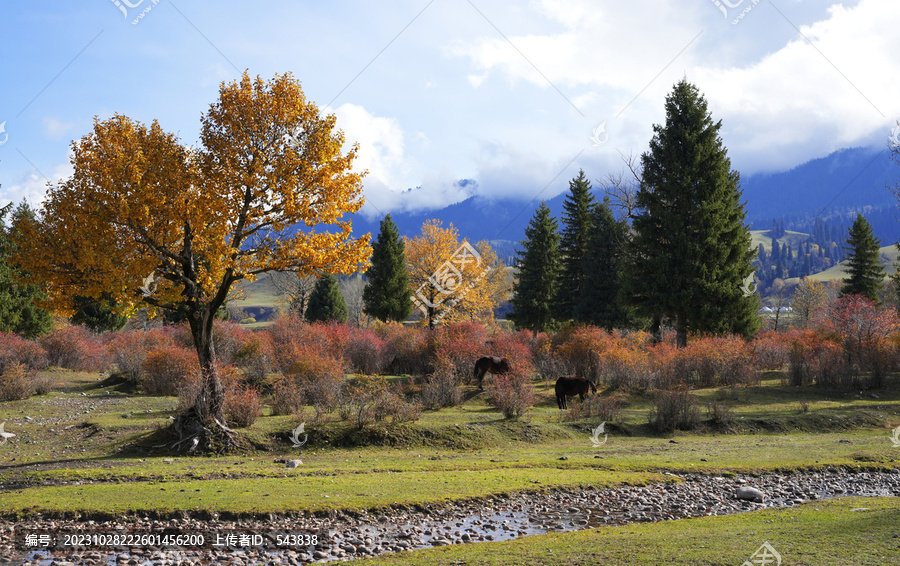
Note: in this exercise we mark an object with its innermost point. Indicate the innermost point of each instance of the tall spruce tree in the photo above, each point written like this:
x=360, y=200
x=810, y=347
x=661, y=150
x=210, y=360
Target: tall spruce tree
x=387, y=296
x=538, y=273
x=600, y=302
x=863, y=265
x=576, y=225
x=19, y=311
x=691, y=249
x=326, y=304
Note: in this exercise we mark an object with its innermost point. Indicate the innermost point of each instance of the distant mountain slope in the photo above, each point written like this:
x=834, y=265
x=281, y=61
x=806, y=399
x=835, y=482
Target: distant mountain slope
x=849, y=178
x=836, y=186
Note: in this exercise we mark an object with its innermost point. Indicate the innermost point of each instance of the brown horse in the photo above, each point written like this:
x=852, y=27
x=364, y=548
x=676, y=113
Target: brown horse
x=571, y=386
x=491, y=365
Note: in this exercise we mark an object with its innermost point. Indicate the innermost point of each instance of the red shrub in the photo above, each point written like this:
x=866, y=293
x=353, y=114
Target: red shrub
x=16, y=350
x=816, y=357
x=75, y=348
x=128, y=350
x=581, y=351
x=365, y=352
x=770, y=350
x=864, y=329
x=406, y=350
x=460, y=344
x=170, y=370
x=515, y=347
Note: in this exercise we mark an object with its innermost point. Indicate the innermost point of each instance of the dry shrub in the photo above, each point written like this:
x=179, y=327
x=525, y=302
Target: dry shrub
x=581, y=350
x=548, y=365
x=512, y=393
x=170, y=370
x=710, y=362
x=441, y=388
x=256, y=356
x=367, y=400
x=460, y=344
x=287, y=397
x=770, y=350
x=720, y=415
x=312, y=377
x=674, y=410
x=626, y=368
x=365, y=352
x=129, y=350
x=242, y=405
x=816, y=357
x=75, y=348
x=596, y=407
x=405, y=351
x=17, y=382
x=16, y=350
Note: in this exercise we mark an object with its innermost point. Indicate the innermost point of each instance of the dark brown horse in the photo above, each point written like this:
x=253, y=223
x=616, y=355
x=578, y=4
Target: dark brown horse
x=491, y=365
x=570, y=387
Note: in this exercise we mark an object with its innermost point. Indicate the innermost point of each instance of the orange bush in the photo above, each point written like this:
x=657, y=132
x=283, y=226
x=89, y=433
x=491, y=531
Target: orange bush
x=168, y=370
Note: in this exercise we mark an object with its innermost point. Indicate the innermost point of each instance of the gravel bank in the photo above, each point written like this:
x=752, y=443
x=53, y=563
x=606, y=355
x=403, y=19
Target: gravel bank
x=304, y=540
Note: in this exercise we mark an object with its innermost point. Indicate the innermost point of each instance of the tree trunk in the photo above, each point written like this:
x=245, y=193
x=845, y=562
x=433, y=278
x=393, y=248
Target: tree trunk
x=210, y=402
x=680, y=333
x=203, y=425
x=656, y=329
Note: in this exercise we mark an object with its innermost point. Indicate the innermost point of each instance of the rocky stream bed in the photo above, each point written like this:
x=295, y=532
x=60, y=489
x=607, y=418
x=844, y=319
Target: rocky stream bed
x=343, y=536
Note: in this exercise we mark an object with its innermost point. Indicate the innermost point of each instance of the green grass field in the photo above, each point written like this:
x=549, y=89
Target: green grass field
x=82, y=451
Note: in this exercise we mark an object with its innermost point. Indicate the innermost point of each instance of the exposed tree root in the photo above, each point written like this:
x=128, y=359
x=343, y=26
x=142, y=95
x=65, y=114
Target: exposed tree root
x=195, y=436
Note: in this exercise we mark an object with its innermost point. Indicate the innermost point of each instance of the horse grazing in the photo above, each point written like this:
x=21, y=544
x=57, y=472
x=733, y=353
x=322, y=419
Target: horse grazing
x=491, y=365
x=570, y=387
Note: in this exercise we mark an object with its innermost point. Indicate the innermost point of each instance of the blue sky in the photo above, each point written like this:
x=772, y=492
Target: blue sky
x=506, y=93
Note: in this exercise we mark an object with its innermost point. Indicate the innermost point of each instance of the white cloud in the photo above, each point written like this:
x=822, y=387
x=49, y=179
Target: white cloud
x=56, y=129
x=782, y=101
x=32, y=187
x=380, y=152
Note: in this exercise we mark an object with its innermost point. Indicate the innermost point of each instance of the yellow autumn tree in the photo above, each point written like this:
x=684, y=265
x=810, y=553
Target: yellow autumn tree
x=451, y=280
x=151, y=222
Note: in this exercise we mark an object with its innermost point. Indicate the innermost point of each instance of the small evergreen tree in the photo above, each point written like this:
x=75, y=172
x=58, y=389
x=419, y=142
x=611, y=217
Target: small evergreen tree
x=387, y=296
x=599, y=302
x=19, y=311
x=326, y=304
x=538, y=273
x=97, y=314
x=576, y=220
x=863, y=265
